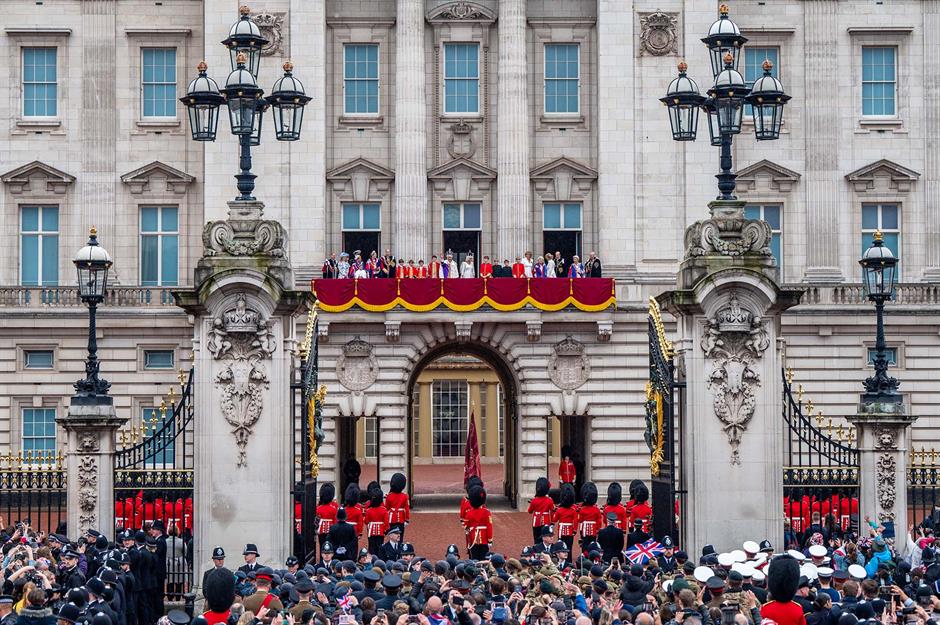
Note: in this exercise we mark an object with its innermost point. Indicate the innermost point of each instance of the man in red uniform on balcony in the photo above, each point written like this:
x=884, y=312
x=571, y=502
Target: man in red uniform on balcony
x=566, y=516
x=566, y=470
x=397, y=503
x=326, y=511
x=541, y=507
x=479, y=524
x=486, y=268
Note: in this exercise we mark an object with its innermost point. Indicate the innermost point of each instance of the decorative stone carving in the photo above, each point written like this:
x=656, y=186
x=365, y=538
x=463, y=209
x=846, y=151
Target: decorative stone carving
x=734, y=339
x=886, y=472
x=461, y=144
x=242, y=339
x=659, y=33
x=605, y=329
x=728, y=233
x=392, y=331
x=462, y=328
x=88, y=443
x=885, y=439
x=87, y=492
x=271, y=25
x=357, y=368
x=244, y=233
x=533, y=331
x=569, y=367
x=463, y=11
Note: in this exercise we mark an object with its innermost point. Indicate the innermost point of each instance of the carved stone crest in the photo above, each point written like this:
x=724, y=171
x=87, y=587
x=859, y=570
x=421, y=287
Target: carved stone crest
x=734, y=339
x=885, y=471
x=569, y=368
x=357, y=368
x=659, y=33
x=462, y=11
x=242, y=339
x=88, y=443
x=271, y=26
x=87, y=492
x=461, y=144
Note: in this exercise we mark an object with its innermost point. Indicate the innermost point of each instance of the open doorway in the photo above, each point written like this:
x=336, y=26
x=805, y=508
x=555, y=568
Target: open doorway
x=567, y=436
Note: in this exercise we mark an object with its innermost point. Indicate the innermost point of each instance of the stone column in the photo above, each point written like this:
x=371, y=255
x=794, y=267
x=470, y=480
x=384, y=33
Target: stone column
x=728, y=308
x=932, y=151
x=410, y=233
x=89, y=464
x=244, y=306
x=512, y=143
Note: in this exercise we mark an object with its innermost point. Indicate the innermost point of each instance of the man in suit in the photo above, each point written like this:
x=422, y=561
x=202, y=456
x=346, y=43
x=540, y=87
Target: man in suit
x=251, y=559
x=343, y=536
x=390, y=551
x=611, y=539
x=592, y=268
x=157, y=532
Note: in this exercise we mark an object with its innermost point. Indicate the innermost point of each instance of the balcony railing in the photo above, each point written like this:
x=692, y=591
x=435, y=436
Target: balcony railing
x=850, y=294
x=38, y=297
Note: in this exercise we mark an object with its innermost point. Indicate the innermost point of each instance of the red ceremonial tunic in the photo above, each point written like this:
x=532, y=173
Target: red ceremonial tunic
x=215, y=618
x=479, y=525
x=589, y=520
x=434, y=269
x=356, y=515
x=567, y=520
x=621, y=511
x=399, y=510
x=566, y=472
x=789, y=613
x=643, y=512
x=486, y=270
x=518, y=270
x=422, y=271
x=327, y=515
x=541, y=509
x=376, y=521
x=464, y=508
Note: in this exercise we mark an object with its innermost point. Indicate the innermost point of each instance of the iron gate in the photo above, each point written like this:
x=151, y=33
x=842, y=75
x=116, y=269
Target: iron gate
x=821, y=471
x=153, y=479
x=33, y=489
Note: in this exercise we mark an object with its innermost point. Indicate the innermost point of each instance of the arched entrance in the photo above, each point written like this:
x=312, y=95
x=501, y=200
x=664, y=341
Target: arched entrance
x=446, y=386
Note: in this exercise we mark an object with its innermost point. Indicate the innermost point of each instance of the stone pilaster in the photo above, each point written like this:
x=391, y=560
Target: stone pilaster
x=932, y=138
x=410, y=230
x=512, y=143
x=824, y=184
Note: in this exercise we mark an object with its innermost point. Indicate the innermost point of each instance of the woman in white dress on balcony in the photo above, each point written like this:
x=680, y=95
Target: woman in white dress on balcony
x=466, y=267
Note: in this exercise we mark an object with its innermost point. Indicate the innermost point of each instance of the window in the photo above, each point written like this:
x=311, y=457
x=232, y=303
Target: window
x=372, y=437
x=416, y=420
x=561, y=229
x=162, y=439
x=362, y=224
x=38, y=359
x=39, y=246
x=361, y=79
x=500, y=418
x=159, y=359
x=771, y=214
x=39, y=430
x=879, y=81
x=159, y=246
x=40, y=90
x=158, y=82
x=462, y=224
x=562, y=74
x=461, y=78
x=887, y=219
x=891, y=354
x=483, y=399
x=754, y=68
x=449, y=417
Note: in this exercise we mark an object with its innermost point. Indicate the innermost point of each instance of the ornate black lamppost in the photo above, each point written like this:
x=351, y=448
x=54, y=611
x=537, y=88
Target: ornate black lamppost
x=879, y=271
x=92, y=263
x=246, y=104
x=726, y=99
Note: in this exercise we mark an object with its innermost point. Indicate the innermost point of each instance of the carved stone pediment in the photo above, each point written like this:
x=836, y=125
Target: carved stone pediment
x=558, y=178
x=157, y=177
x=461, y=11
x=897, y=177
x=777, y=177
x=360, y=177
x=462, y=173
x=38, y=178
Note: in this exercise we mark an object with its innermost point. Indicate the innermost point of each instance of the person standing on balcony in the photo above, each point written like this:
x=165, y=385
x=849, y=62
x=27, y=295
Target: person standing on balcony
x=329, y=267
x=449, y=266
x=577, y=269
x=466, y=267
x=592, y=268
x=561, y=267
x=527, y=263
x=518, y=268
x=342, y=267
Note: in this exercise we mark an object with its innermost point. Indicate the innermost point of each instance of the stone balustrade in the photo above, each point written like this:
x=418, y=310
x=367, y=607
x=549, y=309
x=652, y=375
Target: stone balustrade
x=40, y=297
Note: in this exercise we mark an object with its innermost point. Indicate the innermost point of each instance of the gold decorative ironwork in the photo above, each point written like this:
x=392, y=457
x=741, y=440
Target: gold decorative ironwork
x=664, y=343
x=315, y=402
x=307, y=342
x=655, y=401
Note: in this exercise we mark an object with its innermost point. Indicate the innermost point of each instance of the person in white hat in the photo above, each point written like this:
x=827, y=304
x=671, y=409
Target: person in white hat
x=751, y=549
x=825, y=584
x=725, y=560
x=818, y=553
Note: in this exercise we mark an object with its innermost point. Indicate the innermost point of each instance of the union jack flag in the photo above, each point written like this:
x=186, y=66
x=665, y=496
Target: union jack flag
x=643, y=552
x=345, y=602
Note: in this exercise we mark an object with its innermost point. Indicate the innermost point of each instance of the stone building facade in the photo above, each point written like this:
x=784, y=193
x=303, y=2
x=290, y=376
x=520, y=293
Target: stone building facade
x=497, y=126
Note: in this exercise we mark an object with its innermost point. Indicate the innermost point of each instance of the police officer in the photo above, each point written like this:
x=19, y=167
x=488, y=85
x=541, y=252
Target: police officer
x=71, y=576
x=611, y=539
x=218, y=561
x=667, y=560
x=391, y=584
x=546, y=537
x=251, y=556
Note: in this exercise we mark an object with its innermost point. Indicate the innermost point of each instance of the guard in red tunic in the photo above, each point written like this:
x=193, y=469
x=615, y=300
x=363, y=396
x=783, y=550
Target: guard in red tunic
x=590, y=519
x=376, y=521
x=541, y=507
x=399, y=507
x=566, y=516
x=326, y=511
x=355, y=514
x=465, y=506
x=641, y=510
x=614, y=499
x=566, y=471
x=479, y=524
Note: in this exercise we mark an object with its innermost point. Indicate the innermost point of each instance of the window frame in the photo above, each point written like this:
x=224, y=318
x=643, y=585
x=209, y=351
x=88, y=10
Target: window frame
x=561, y=208
x=362, y=214
x=444, y=78
x=462, y=206
x=377, y=79
x=31, y=350
x=461, y=415
x=159, y=234
x=159, y=118
x=546, y=79
x=38, y=118
x=23, y=436
x=871, y=350
x=41, y=234
x=862, y=82
x=152, y=350
x=863, y=231
x=761, y=206
x=776, y=72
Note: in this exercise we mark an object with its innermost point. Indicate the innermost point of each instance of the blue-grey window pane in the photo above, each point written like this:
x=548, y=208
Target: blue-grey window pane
x=351, y=217
x=471, y=216
x=158, y=359
x=50, y=219
x=39, y=359
x=889, y=217
x=170, y=253
x=572, y=216
x=50, y=260
x=29, y=219
x=775, y=249
x=772, y=216
x=869, y=216
x=451, y=216
x=149, y=270
x=891, y=355
x=891, y=242
x=29, y=260
x=551, y=216
x=149, y=219
x=371, y=218
x=752, y=212
x=170, y=216
x=867, y=238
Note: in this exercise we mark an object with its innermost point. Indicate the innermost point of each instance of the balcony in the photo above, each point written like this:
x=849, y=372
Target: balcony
x=46, y=297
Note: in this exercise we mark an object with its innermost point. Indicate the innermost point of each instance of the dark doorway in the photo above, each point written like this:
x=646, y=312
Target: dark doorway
x=462, y=242
x=568, y=242
x=571, y=439
x=364, y=241
x=349, y=452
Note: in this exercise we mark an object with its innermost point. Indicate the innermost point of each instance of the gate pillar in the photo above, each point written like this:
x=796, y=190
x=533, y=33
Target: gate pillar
x=243, y=305
x=728, y=308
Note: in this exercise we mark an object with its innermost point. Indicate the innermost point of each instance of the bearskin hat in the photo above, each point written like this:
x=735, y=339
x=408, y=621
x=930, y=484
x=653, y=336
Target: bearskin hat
x=327, y=493
x=567, y=496
x=366, y=495
x=633, y=486
x=555, y=494
x=376, y=497
x=474, y=480
x=783, y=578
x=541, y=487
x=219, y=589
x=476, y=496
x=641, y=494
x=614, y=494
x=566, y=451
x=352, y=494
x=589, y=493
x=397, y=483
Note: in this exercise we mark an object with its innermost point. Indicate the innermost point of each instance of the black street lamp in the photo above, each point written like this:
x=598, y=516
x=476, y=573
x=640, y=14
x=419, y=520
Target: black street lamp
x=724, y=106
x=245, y=101
x=878, y=275
x=92, y=263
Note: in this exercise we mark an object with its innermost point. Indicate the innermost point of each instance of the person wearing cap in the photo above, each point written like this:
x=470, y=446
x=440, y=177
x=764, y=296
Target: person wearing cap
x=68, y=614
x=391, y=548
x=825, y=584
x=376, y=521
x=263, y=597
x=479, y=524
x=304, y=590
x=71, y=576
x=611, y=539
x=370, y=582
x=879, y=555
x=326, y=556
x=7, y=616
x=157, y=532
x=546, y=541
x=250, y=553
x=667, y=561
x=96, y=588
x=218, y=561
x=541, y=507
x=343, y=534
